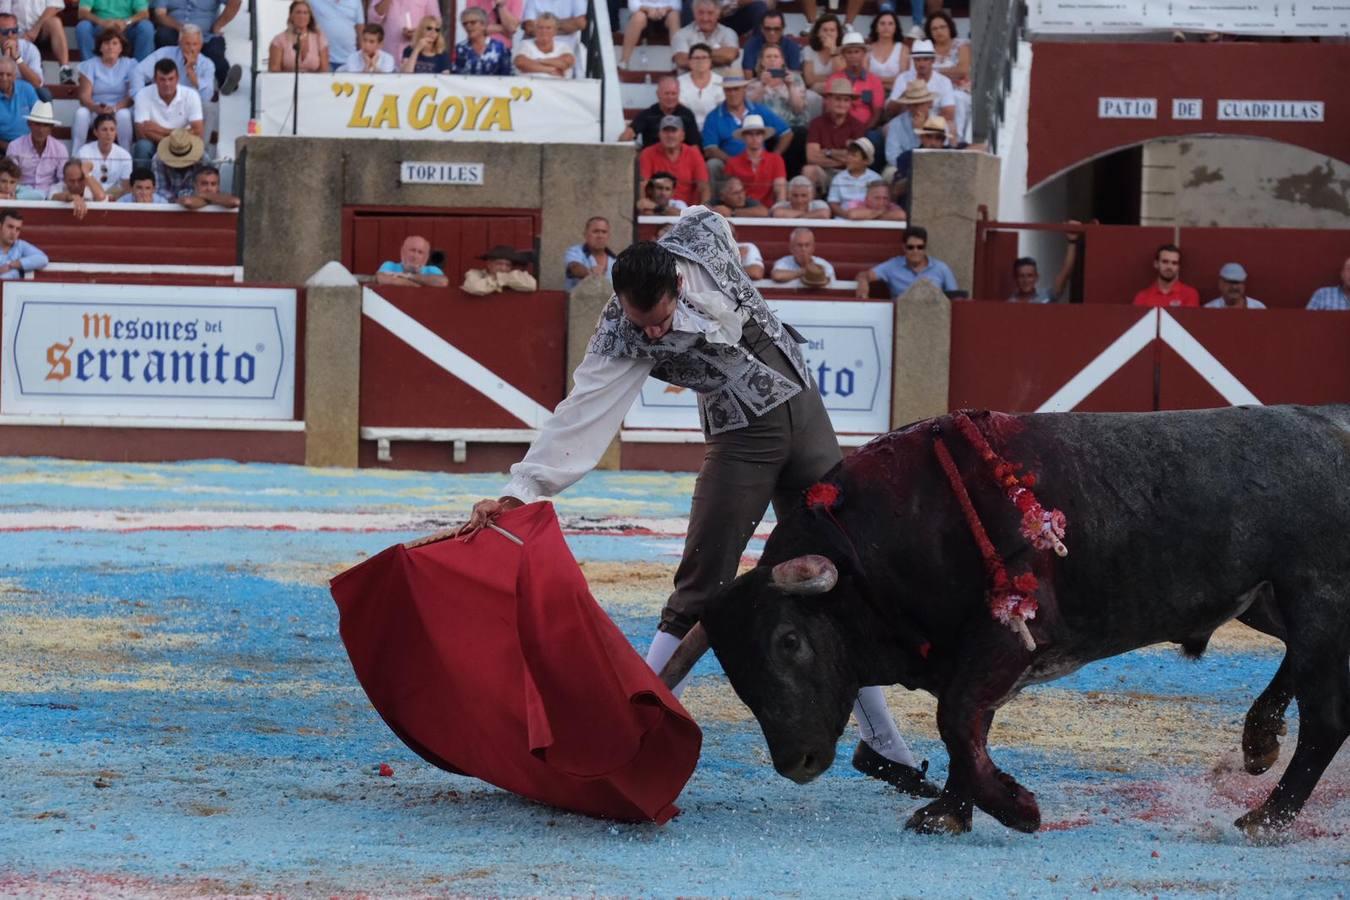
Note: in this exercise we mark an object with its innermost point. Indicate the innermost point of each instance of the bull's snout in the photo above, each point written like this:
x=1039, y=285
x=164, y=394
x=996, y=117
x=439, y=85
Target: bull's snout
x=803, y=767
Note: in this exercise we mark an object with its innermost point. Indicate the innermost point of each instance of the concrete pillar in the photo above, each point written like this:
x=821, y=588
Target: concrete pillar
x=948, y=186
x=583, y=310
x=921, y=364
x=332, y=367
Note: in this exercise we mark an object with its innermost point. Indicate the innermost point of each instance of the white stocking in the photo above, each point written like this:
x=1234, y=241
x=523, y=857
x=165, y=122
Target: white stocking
x=662, y=649
x=878, y=728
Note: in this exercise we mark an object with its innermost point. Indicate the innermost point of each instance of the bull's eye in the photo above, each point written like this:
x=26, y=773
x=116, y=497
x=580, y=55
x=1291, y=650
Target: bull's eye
x=790, y=644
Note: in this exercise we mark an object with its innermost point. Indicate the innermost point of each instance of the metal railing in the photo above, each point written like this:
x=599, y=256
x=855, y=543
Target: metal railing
x=996, y=27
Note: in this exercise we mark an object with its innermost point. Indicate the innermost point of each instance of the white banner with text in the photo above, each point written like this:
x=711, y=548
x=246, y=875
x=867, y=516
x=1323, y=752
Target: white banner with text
x=431, y=107
x=848, y=350
x=147, y=351
x=1258, y=17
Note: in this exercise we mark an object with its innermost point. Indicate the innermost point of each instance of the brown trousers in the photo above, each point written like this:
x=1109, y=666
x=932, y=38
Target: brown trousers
x=772, y=460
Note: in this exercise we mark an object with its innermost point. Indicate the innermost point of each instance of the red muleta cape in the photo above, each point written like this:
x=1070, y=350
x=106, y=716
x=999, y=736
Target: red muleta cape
x=492, y=659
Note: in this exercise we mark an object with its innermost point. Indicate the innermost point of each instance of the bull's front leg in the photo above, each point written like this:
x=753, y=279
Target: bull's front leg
x=965, y=713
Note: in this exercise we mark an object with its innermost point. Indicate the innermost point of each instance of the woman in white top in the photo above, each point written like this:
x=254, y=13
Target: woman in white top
x=104, y=161
x=108, y=84
x=887, y=55
x=821, y=59
x=641, y=12
x=700, y=87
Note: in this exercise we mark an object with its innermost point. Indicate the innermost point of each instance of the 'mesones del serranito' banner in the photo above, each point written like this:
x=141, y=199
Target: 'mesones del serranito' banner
x=144, y=351
x=1267, y=17
x=433, y=107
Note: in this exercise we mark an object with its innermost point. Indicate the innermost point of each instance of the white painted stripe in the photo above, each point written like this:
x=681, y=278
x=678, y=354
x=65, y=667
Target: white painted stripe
x=452, y=360
x=154, y=422
x=661, y=436
x=1108, y=362
x=471, y=435
x=1204, y=362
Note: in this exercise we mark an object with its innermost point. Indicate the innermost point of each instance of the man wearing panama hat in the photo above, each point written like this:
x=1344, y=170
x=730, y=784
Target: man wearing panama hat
x=829, y=134
x=40, y=158
x=762, y=171
x=720, y=142
x=500, y=273
x=177, y=160
x=902, y=132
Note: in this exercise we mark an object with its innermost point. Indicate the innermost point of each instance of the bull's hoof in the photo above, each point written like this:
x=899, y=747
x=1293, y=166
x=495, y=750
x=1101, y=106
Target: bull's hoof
x=1261, y=827
x=1016, y=807
x=1257, y=763
x=938, y=818
x=1261, y=747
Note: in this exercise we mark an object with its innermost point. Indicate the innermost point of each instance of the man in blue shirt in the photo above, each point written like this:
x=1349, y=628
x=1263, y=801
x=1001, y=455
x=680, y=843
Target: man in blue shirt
x=411, y=269
x=171, y=15
x=16, y=102
x=1336, y=296
x=899, y=272
x=591, y=257
x=16, y=256
x=719, y=128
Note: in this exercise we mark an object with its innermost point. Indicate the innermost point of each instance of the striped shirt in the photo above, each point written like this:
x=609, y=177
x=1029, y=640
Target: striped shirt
x=1333, y=297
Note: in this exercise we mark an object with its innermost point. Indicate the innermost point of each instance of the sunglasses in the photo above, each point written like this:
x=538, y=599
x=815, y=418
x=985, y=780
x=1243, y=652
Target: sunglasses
x=9, y=31
x=915, y=246
x=435, y=28
x=768, y=28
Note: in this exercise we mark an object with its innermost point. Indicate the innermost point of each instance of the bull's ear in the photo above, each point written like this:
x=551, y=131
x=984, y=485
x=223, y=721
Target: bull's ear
x=811, y=574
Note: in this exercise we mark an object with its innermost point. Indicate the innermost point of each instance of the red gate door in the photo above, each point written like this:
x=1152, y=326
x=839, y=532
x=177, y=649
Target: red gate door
x=373, y=236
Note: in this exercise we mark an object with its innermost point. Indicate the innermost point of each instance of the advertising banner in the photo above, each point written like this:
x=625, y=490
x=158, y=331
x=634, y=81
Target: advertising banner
x=1258, y=17
x=143, y=351
x=431, y=107
x=848, y=351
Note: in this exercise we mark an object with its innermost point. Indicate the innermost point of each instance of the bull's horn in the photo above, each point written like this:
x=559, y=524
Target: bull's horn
x=812, y=574
x=682, y=661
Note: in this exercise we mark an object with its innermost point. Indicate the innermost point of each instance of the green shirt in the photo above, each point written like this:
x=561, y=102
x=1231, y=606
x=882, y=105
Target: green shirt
x=114, y=9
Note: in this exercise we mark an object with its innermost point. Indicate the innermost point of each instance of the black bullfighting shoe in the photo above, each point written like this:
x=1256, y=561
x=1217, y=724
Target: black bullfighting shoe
x=905, y=779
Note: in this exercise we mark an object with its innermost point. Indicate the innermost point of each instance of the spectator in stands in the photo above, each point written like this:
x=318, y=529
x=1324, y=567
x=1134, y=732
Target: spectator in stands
x=18, y=48
x=733, y=201
x=161, y=108
x=142, y=189
x=427, y=54
x=782, y=91
x=902, y=132
x=480, y=53
x=793, y=267
x=1336, y=296
x=801, y=202
x=17, y=256
x=206, y=191
x=571, y=15
x=829, y=134
x=723, y=43
x=108, y=84
x=848, y=190
x=752, y=261
x=503, y=17
x=720, y=142
x=761, y=171
x=591, y=257
x=878, y=205
x=951, y=60
x=412, y=268
x=10, y=186
x=1233, y=290
x=1026, y=275
x=210, y=18
x=39, y=155
x=340, y=23
x=177, y=162
x=16, y=101
x=500, y=273
x=75, y=188
x=921, y=69
x=658, y=198
x=887, y=55
x=195, y=70
x=646, y=125
x=129, y=18
x=371, y=58
x=868, y=94
x=641, y=13
x=545, y=55
x=1167, y=289
x=900, y=272
x=301, y=32
x=701, y=87
x=40, y=20
x=671, y=154
x=399, y=17
x=771, y=33
x=823, y=60
x=104, y=160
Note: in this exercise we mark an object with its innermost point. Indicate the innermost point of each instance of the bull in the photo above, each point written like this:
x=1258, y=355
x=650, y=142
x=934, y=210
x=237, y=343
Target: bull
x=1177, y=522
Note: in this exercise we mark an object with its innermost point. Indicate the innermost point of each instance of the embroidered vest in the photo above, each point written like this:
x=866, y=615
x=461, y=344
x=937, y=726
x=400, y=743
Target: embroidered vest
x=728, y=378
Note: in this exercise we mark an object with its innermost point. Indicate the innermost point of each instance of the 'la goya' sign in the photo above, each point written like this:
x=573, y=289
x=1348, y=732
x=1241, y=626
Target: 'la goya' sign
x=432, y=107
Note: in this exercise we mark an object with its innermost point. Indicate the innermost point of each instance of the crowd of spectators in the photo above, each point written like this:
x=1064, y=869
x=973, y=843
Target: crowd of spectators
x=1168, y=290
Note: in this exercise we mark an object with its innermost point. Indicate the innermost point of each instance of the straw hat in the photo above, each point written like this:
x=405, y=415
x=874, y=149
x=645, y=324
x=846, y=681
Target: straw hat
x=916, y=92
x=934, y=125
x=753, y=122
x=839, y=84
x=503, y=251
x=43, y=114
x=865, y=148
x=180, y=149
x=814, y=275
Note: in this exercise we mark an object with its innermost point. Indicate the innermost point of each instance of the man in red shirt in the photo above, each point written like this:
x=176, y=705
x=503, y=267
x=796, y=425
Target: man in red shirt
x=761, y=171
x=682, y=160
x=829, y=134
x=869, y=95
x=1167, y=289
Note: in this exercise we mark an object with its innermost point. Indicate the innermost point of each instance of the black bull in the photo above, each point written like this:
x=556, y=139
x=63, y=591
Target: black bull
x=1177, y=523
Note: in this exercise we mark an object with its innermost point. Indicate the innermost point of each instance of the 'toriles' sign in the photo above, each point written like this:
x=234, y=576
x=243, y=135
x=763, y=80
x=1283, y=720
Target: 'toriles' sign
x=440, y=173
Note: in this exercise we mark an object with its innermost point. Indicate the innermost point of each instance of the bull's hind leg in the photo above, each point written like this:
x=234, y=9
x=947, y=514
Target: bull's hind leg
x=1318, y=664
x=1265, y=722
